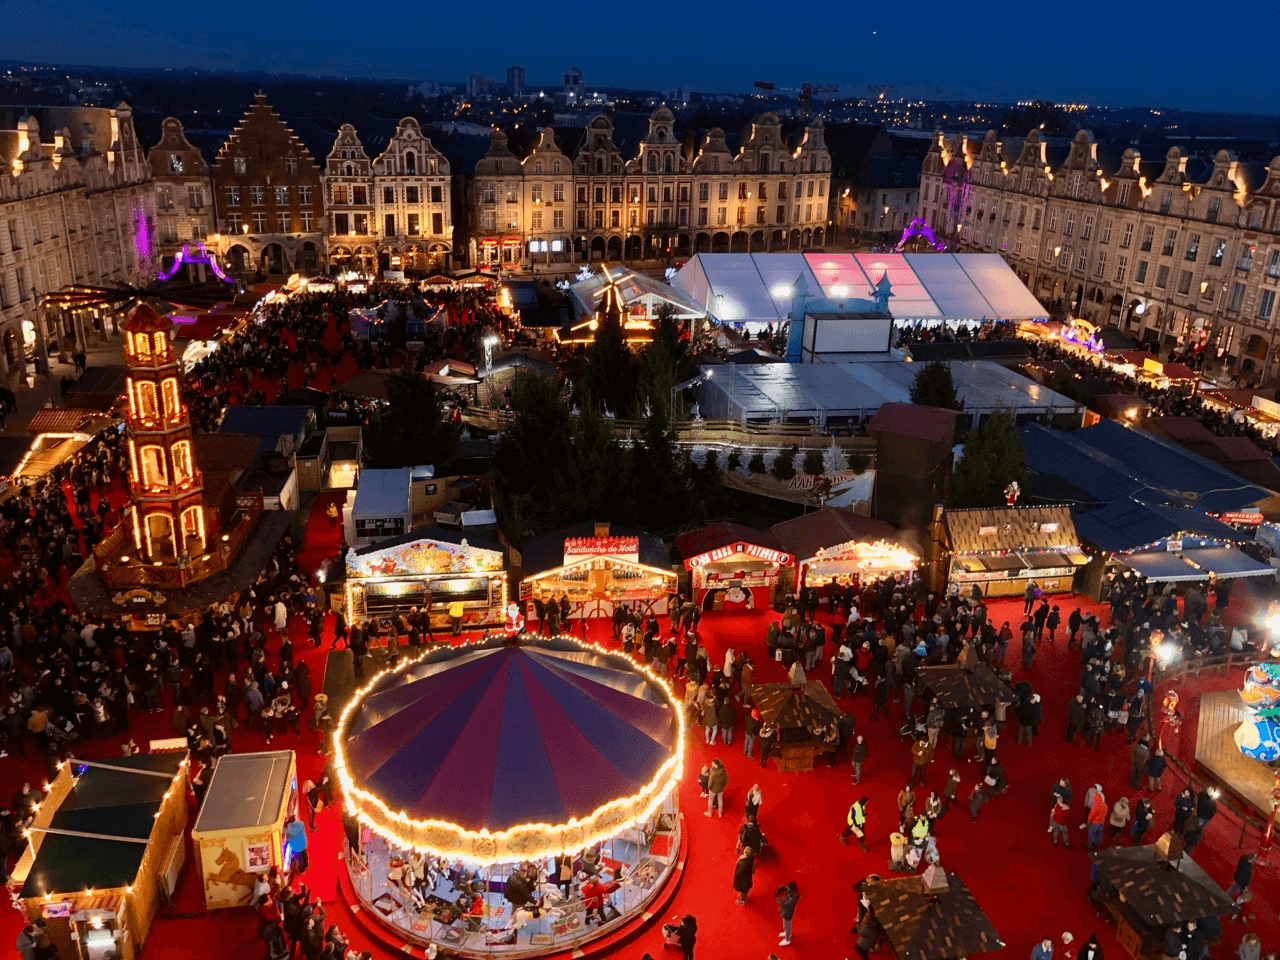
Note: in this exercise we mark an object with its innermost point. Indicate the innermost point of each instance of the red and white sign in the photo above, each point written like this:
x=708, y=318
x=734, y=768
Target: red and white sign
x=750, y=549
x=1242, y=519
x=626, y=548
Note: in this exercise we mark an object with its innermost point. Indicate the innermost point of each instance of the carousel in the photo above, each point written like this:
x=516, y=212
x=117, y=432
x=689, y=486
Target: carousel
x=512, y=797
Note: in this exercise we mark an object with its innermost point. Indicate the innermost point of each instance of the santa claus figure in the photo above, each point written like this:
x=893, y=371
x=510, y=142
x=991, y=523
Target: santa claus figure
x=515, y=620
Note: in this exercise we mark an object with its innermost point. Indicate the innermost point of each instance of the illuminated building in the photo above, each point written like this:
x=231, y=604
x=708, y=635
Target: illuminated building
x=177, y=546
x=269, y=198
x=77, y=205
x=655, y=195
x=1175, y=248
x=184, y=192
x=392, y=212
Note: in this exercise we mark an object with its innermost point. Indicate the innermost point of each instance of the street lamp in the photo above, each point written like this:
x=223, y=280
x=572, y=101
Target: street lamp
x=491, y=341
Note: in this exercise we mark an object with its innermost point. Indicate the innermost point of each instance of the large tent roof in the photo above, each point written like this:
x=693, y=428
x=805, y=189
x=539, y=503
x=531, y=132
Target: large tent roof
x=490, y=736
x=760, y=287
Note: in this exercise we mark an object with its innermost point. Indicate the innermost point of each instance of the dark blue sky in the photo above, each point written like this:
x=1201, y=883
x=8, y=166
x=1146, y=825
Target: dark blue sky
x=925, y=47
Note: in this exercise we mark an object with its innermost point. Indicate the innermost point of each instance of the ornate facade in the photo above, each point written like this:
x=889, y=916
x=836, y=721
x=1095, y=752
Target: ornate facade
x=1151, y=249
x=184, y=192
x=676, y=196
x=77, y=207
x=392, y=212
x=269, y=197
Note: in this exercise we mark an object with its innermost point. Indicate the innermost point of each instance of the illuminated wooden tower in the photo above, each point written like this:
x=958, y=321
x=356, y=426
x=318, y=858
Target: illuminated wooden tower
x=166, y=518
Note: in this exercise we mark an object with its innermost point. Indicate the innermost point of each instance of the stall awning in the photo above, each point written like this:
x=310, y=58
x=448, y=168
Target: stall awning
x=1227, y=563
x=1161, y=567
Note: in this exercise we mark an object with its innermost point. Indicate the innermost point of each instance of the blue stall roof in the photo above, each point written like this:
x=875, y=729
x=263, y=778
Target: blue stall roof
x=272, y=421
x=1161, y=567
x=1128, y=524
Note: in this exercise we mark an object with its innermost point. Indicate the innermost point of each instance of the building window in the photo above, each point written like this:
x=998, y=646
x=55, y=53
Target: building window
x=1245, y=262
x=1184, y=282
x=1086, y=227
x=413, y=225
x=1170, y=241
x=1148, y=238
x=240, y=166
x=1064, y=261
x=487, y=194
x=360, y=221
x=1166, y=201
x=1193, y=247
x=1273, y=264
x=653, y=194
x=1052, y=225
x=1035, y=219
x=557, y=219
x=760, y=214
x=410, y=194
x=702, y=216
x=233, y=223
x=1141, y=274
x=1081, y=259
x=283, y=222
x=1122, y=195
x=1122, y=267
x=535, y=220
x=666, y=194
x=1236, y=300
x=1162, y=277
x=535, y=193
x=582, y=219
x=233, y=199
x=1105, y=235
x=599, y=219
x=1215, y=208
x=282, y=196
x=304, y=193
x=722, y=215
x=176, y=164
x=258, y=196
x=359, y=196
x=489, y=221
x=291, y=166
x=557, y=192
x=615, y=195
x=1126, y=236
x=1219, y=251
x=781, y=213
x=259, y=223
x=389, y=225
x=437, y=223
x=306, y=221
x=195, y=198
x=724, y=191
x=388, y=194
x=1265, y=302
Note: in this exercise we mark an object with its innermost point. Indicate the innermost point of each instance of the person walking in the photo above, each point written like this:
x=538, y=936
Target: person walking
x=906, y=807
x=1241, y=879
x=744, y=872
x=1155, y=769
x=921, y=754
x=951, y=790
x=296, y=839
x=1043, y=950
x=1138, y=756
x=687, y=936
x=750, y=730
x=1095, y=820
x=859, y=757
x=857, y=824
x=787, y=896
x=1143, y=814
x=1060, y=818
x=717, y=780
x=1119, y=818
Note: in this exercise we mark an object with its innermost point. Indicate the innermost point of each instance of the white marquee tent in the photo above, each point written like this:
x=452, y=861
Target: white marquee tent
x=764, y=288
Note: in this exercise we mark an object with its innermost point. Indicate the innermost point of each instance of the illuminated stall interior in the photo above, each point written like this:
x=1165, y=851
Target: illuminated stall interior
x=1002, y=549
x=732, y=567
x=469, y=771
x=103, y=853
x=598, y=568
x=434, y=568
x=836, y=546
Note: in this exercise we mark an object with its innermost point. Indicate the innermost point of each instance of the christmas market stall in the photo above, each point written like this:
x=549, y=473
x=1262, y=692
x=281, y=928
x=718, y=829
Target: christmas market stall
x=732, y=567
x=1148, y=890
x=999, y=550
x=239, y=832
x=103, y=852
x=963, y=694
x=597, y=567
x=512, y=797
x=932, y=916
x=799, y=717
x=835, y=546
x=433, y=568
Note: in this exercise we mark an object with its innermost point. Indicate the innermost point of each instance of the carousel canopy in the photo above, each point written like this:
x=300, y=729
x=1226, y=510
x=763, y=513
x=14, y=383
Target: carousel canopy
x=495, y=751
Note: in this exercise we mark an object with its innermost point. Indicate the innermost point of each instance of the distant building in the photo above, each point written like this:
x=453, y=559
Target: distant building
x=77, y=205
x=393, y=212
x=479, y=87
x=269, y=197
x=515, y=81
x=574, y=86
x=184, y=190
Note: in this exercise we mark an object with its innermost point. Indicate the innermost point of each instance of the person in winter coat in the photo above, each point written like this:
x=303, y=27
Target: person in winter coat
x=787, y=896
x=859, y=757
x=1119, y=818
x=1155, y=769
x=687, y=936
x=1060, y=819
x=1138, y=756
x=1184, y=805
x=857, y=824
x=726, y=716
x=717, y=780
x=1091, y=950
x=1142, y=816
x=744, y=872
x=1095, y=820
x=750, y=730
x=1241, y=879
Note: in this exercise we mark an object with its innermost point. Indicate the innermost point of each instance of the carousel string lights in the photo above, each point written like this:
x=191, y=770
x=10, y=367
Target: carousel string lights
x=522, y=841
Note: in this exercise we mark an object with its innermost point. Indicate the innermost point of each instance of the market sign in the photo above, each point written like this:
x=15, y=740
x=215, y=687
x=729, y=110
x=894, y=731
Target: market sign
x=423, y=557
x=1241, y=518
x=877, y=555
x=625, y=548
x=750, y=549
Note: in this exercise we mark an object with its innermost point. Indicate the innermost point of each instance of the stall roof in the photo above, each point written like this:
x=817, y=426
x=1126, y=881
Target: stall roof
x=66, y=420
x=716, y=535
x=265, y=421
x=1160, y=566
x=246, y=791
x=112, y=802
x=366, y=383
x=1015, y=528
x=1128, y=525
x=440, y=534
x=383, y=493
x=959, y=689
x=588, y=293
x=547, y=551
x=804, y=536
x=1227, y=563
x=913, y=420
x=1160, y=893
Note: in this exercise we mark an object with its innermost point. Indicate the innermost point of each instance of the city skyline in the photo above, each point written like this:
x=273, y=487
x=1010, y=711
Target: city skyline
x=917, y=53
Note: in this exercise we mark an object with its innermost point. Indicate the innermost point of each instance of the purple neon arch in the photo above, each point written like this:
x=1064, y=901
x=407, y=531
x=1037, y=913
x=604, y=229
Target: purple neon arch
x=200, y=256
x=919, y=227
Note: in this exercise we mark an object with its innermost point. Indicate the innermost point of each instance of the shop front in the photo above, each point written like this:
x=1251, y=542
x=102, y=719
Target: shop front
x=1000, y=550
x=435, y=572
x=732, y=567
x=598, y=572
x=835, y=547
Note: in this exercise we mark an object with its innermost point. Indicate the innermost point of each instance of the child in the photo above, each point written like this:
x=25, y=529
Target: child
x=702, y=779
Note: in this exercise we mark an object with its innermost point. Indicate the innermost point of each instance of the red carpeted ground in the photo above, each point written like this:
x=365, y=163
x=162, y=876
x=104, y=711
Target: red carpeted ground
x=1028, y=887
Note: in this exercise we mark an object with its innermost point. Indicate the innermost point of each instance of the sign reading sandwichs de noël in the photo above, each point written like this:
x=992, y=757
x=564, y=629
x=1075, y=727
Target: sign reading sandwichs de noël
x=624, y=548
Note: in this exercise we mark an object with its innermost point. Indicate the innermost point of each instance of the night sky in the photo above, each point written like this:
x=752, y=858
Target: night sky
x=998, y=51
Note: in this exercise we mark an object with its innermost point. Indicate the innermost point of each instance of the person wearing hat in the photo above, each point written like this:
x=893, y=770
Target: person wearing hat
x=750, y=731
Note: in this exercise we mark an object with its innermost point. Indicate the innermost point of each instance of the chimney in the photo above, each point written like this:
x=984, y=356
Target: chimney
x=602, y=529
